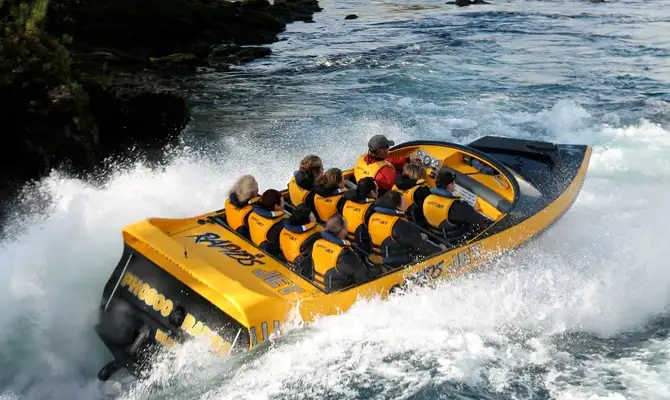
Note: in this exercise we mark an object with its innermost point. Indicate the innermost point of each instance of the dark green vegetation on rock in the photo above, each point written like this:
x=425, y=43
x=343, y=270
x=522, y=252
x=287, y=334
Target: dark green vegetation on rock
x=81, y=80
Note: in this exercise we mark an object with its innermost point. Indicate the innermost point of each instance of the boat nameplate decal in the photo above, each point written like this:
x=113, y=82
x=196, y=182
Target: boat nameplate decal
x=229, y=248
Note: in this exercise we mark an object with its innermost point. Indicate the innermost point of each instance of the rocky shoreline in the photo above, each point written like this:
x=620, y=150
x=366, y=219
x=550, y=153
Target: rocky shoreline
x=81, y=80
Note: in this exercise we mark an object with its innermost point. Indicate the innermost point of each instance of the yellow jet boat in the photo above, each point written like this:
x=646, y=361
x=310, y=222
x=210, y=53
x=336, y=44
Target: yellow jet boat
x=195, y=277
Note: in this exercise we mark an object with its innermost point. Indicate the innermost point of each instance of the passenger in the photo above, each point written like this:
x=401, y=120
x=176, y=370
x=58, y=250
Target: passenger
x=296, y=239
x=328, y=192
x=265, y=221
x=336, y=265
x=357, y=208
x=303, y=180
x=446, y=213
x=242, y=195
x=412, y=185
x=377, y=164
x=395, y=241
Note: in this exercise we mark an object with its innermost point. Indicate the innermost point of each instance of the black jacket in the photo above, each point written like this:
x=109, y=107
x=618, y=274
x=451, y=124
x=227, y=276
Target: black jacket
x=350, y=268
x=462, y=213
x=405, y=243
x=307, y=182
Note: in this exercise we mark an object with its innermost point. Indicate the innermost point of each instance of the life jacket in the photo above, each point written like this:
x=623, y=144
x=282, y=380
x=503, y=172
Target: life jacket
x=297, y=194
x=363, y=170
x=325, y=206
x=325, y=253
x=354, y=213
x=408, y=194
x=236, y=213
x=293, y=237
x=261, y=222
x=385, y=249
x=436, y=208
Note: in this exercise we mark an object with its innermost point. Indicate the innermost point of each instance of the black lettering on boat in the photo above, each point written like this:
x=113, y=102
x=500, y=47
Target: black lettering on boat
x=229, y=248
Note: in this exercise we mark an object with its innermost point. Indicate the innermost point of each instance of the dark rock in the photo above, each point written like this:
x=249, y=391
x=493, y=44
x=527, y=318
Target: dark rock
x=93, y=76
x=234, y=54
x=351, y=16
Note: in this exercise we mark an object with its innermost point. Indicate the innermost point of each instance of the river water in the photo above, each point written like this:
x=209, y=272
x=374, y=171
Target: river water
x=581, y=313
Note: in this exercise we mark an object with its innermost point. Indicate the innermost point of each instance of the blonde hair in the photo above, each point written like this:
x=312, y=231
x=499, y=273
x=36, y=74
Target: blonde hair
x=311, y=164
x=335, y=224
x=245, y=188
x=331, y=179
x=414, y=171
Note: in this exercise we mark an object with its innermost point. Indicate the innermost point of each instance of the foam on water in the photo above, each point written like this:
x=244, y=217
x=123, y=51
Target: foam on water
x=599, y=271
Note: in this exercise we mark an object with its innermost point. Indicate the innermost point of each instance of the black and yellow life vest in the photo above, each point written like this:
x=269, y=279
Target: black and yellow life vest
x=325, y=253
x=296, y=194
x=260, y=223
x=326, y=206
x=436, y=207
x=380, y=227
x=354, y=213
x=237, y=216
x=293, y=237
x=408, y=194
x=363, y=170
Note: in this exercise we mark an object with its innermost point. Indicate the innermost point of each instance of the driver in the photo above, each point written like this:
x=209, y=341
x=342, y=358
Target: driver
x=377, y=163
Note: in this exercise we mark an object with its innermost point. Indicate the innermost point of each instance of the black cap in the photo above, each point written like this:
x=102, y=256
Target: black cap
x=378, y=142
x=444, y=177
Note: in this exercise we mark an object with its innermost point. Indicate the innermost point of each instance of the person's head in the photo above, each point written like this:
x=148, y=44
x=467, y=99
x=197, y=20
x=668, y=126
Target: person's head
x=337, y=226
x=331, y=179
x=414, y=171
x=245, y=188
x=302, y=215
x=271, y=200
x=392, y=200
x=312, y=165
x=379, y=145
x=445, y=179
x=367, y=187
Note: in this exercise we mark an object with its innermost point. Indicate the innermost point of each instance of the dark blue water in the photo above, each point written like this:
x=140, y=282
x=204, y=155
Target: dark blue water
x=581, y=313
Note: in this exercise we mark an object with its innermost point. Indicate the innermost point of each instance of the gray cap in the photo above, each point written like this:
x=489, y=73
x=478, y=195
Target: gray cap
x=379, y=142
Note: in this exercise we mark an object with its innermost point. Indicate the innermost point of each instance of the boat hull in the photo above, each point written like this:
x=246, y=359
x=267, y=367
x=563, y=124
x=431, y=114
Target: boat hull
x=181, y=279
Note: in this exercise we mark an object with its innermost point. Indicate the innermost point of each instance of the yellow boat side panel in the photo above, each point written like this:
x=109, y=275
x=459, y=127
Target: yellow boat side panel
x=222, y=267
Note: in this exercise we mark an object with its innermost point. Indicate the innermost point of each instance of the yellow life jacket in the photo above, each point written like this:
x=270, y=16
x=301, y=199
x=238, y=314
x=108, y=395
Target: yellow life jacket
x=409, y=193
x=260, y=223
x=363, y=170
x=291, y=242
x=296, y=193
x=381, y=228
x=236, y=216
x=324, y=256
x=436, y=206
x=354, y=213
x=326, y=207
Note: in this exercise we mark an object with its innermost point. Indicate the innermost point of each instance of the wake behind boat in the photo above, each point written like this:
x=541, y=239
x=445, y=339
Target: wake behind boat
x=194, y=277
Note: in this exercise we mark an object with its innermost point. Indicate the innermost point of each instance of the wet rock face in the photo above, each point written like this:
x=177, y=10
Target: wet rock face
x=88, y=78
